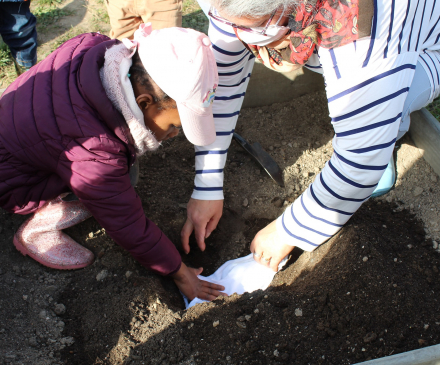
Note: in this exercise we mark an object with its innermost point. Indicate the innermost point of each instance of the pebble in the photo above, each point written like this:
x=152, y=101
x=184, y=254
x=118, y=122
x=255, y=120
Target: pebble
x=370, y=337
x=245, y=202
x=298, y=312
x=67, y=341
x=60, y=309
x=215, y=323
x=42, y=314
x=435, y=245
x=128, y=274
x=433, y=179
x=241, y=324
x=276, y=353
x=395, y=259
x=91, y=235
x=241, y=319
x=418, y=191
x=102, y=275
x=278, y=202
x=260, y=111
x=426, y=326
x=25, y=297
x=191, y=325
x=248, y=317
x=256, y=311
x=33, y=342
x=271, y=148
x=365, y=259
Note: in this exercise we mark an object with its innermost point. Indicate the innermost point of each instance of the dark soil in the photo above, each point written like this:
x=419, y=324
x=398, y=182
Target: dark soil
x=369, y=292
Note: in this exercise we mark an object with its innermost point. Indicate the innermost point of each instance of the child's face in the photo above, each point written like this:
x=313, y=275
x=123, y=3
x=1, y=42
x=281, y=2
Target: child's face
x=164, y=123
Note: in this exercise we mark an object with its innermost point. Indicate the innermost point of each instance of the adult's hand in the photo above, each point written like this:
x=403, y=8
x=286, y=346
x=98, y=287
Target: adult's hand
x=191, y=286
x=268, y=248
x=202, y=218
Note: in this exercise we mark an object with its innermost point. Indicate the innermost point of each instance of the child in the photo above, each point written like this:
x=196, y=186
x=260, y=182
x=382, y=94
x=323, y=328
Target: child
x=77, y=121
x=18, y=30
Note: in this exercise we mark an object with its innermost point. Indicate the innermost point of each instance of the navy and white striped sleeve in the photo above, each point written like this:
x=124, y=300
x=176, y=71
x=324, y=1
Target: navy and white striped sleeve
x=234, y=64
x=366, y=83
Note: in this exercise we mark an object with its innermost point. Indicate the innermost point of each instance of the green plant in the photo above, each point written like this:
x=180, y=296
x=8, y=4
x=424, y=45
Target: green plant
x=5, y=55
x=434, y=108
x=47, y=15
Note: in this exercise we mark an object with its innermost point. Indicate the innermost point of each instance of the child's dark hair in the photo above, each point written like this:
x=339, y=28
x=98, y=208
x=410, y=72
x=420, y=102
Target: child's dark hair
x=139, y=75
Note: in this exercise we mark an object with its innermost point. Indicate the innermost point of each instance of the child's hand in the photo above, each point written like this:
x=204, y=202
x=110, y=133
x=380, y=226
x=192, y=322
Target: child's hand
x=191, y=286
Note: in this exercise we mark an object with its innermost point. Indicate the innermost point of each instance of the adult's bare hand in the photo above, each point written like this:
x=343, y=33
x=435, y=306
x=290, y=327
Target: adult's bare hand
x=191, y=286
x=202, y=218
x=268, y=248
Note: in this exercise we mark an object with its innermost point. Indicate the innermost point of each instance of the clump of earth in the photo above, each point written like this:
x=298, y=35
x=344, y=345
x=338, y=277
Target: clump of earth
x=368, y=292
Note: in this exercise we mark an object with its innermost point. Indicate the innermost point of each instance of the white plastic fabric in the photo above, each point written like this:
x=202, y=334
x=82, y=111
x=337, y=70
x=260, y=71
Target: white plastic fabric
x=242, y=275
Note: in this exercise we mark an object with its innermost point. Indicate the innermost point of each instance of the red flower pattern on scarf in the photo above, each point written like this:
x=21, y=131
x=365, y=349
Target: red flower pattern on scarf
x=326, y=23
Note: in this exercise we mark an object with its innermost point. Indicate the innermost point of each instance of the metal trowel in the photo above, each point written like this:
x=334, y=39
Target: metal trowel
x=263, y=158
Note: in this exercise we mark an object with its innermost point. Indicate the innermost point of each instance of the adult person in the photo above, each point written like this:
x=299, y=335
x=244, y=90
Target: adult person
x=126, y=15
x=380, y=60
x=18, y=28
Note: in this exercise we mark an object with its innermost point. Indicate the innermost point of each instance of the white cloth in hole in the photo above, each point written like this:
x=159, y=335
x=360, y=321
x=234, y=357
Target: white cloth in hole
x=242, y=275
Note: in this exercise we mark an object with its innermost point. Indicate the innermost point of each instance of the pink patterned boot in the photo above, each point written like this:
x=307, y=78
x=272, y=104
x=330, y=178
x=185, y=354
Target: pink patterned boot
x=40, y=237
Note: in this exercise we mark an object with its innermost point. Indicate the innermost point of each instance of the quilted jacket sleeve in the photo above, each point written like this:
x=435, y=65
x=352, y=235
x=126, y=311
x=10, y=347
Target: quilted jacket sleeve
x=101, y=181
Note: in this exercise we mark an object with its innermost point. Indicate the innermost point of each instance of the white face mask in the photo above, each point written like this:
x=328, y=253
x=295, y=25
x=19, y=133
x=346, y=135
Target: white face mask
x=273, y=33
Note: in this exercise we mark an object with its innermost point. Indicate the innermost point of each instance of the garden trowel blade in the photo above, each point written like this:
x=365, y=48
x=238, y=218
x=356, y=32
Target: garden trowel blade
x=263, y=158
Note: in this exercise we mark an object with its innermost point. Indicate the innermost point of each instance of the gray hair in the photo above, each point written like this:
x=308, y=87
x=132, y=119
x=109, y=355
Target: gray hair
x=251, y=8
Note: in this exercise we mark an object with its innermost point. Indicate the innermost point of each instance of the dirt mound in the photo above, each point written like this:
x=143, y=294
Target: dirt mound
x=369, y=292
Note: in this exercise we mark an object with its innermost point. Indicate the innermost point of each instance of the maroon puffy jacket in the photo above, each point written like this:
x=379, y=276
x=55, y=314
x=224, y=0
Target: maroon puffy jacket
x=59, y=132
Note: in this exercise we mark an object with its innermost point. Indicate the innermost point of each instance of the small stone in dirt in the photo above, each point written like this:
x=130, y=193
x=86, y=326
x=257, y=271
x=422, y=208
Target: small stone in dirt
x=60, y=309
x=365, y=259
x=67, y=341
x=433, y=179
x=241, y=324
x=276, y=353
x=43, y=314
x=215, y=323
x=128, y=274
x=277, y=201
x=370, y=337
x=434, y=245
x=418, y=191
x=298, y=312
x=260, y=111
x=191, y=325
x=389, y=199
x=25, y=297
x=91, y=235
x=245, y=202
x=256, y=311
x=271, y=148
x=395, y=259
x=248, y=317
x=33, y=342
x=426, y=326
x=102, y=275
x=241, y=319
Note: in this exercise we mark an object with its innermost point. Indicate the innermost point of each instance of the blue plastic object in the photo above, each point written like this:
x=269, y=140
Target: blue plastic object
x=387, y=180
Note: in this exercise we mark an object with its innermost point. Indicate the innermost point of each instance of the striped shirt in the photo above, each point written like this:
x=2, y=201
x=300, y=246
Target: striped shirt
x=367, y=82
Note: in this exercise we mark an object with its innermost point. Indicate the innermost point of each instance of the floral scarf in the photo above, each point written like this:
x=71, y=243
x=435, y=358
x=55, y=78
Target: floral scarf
x=324, y=23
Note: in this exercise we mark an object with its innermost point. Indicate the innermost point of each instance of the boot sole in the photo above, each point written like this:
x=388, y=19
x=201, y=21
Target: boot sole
x=25, y=252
